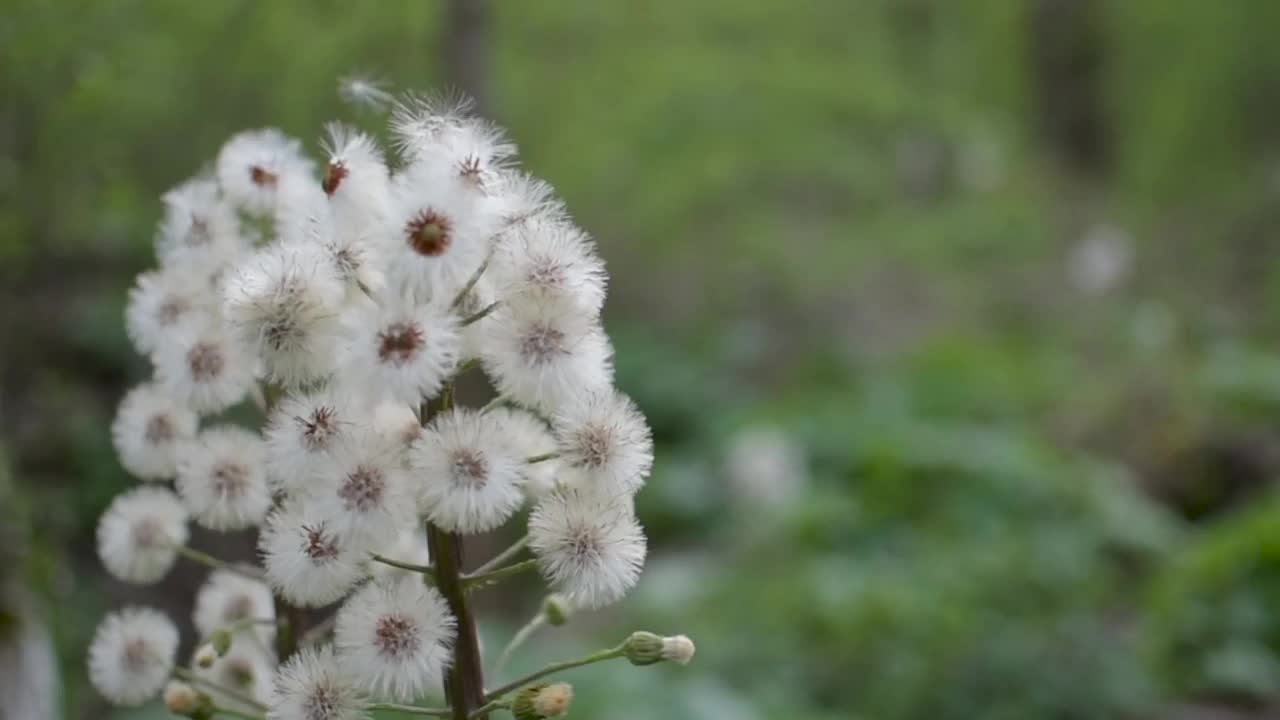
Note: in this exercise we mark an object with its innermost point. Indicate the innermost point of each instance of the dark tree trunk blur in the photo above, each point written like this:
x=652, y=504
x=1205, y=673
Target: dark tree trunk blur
x=466, y=49
x=1068, y=61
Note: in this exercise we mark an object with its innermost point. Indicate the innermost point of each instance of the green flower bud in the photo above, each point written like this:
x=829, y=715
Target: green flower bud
x=537, y=702
x=643, y=648
x=221, y=642
x=555, y=608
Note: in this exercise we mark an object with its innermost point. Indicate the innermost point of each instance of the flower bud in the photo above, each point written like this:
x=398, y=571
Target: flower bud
x=205, y=656
x=646, y=648
x=542, y=701
x=555, y=608
x=221, y=642
x=182, y=699
x=678, y=649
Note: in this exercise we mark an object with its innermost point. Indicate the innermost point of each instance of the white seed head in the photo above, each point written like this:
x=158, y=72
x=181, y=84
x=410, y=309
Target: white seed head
x=469, y=479
x=312, y=685
x=222, y=478
x=364, y=91
x=541, y=260
x=546, y=354
x=306, y=560
x=401, y=351
x=165, y=303
x=303, y=431
x=138, y=533
x=363, y=493
x=227, y=598
x=200, y=232
x=589, y=545
x=253, y=164
x=394, y=636
x=356, y=180
x=205, y=369
x=604, y=435
x=528, y=436
x=132, y=654
x=148, y=430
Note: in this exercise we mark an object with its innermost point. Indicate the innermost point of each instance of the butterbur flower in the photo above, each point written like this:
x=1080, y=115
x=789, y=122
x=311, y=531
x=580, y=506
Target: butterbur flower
x=395, y=636
x=252, y=164
x=363, y=494
x=544, y=355
x=402, y=351
x=139, y=532
x=589, y=545
x=543, y=260
x=469, y=478
x=205, y=369
x=302, y=432
x=284, y=303
x=605, y=435
x=222, y=479
x=524, y=197
x=356, y=180
x=200, y=230
x=132, y=654
x=312, y=685
x=163, y=303
x=148, y=429
x=227, y=598
x=245, y=672
x=306, y=560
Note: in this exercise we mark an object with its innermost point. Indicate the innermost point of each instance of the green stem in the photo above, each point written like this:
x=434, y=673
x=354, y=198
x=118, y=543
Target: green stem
x=208, y=560
x=235, y=713
x=412, y=709
x=426, y=570
x=188, y=676
x=600, y=656
x=522, y=635
x=490, y=707
x=471, y=282
x=535, y=459
x=503, y=556
x=473, y=580
x=480, y=314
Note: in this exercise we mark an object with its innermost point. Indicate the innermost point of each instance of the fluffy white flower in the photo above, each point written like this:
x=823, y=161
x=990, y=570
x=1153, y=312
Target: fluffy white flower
x=544, y=355
x=356, y=179
x=524, y=197
x=132, y=654
x=589, y=545
x=439, y=233
x=395, y=637
x=200, y=230
x=148, y=429
x=469, y=478
x=401, y=350
x=246, y=669
x=605, y=435
x=302, y=431
x=284, y=302
x=205, y=369
x=313, y=685
x=163, y=303
x=354, y=255
x=138, y=533
x=222, y=478
x=541, y=260
x=398, y=424
x=363, y=493
x=306, y=560
x=678, y=649
x=440, y=130
x=252, y=165
x=227, y=598
x=528, y=436
x=409, y=546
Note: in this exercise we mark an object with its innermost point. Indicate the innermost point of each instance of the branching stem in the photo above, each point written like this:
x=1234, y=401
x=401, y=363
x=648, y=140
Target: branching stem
x=477, y=579
x=426, y=570
x=503, y=556
x=188, y=676
x=413, y=709
x=600, y=656
x=208, y=560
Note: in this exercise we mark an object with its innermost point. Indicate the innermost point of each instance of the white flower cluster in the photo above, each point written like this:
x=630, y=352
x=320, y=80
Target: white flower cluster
x=344, y=298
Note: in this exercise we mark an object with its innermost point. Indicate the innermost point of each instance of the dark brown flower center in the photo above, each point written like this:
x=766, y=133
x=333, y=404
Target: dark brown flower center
x=206, y=361
x=333, y=176
x=363, y=488
x=319, y=428
x=319, y=545
x=595, y=445
x=469, y=171
x=541, y=343
x=395, y=636
x=148, y=532
x=399, y=342
x=429, y=233
x=321, y=704
x=199, y=233
x=230, y=479
x=171, y=309
x=135, y=656
x=262, y=176
x=237, y=608
x=470, y=468
x=159, y=430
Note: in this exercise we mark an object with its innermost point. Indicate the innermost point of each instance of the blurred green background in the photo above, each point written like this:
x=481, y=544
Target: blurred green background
x=956, y=323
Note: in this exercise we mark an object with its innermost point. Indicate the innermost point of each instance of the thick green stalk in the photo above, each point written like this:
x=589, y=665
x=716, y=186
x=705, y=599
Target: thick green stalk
x=464, y=682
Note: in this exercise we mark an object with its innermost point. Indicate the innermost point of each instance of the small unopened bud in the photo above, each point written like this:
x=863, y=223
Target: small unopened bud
x=182, y=699
x=646, y=648
x=206, y=656
x=221, y=642
x=555, y=608
x=678, y=649
x=542, y=701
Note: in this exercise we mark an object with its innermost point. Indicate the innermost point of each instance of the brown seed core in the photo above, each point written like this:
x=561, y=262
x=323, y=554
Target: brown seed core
x=470, y=468
x=135, y=655
x=333, y=176
x=171, y=309
x=594, y=445
x=363, y=488
x=159, y=430
x=319, y=428
x=262, y=177
x=399, y=342
x=469, y=171
x=429, y=233
x=230, y=479
x=148, y=532
x=541, y=343
x=322, y=703
x=205, y=361
x=395, y=636
x=319, y=546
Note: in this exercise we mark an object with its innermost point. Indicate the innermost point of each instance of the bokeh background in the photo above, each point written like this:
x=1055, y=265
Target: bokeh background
x=956, y=323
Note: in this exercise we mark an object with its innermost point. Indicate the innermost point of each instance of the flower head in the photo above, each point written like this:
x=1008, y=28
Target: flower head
x=544, y=355
x=205, y=369
x=139, y=533
x=401, y=351
x=132, y=654
x=537, y=702
x=302, y=432
x=605, y=435
x=227, y=598
x=252, y=165
x=395, y=636
x=148, y=429
x=541, y=260
x=306, y=560
x=363, y=494
x=200, y=231
x=163, y=303
x=312, y=685
x=470, y=479
x=246, y=671
x=589, y=545
x=529, y=436
x=222, y=478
